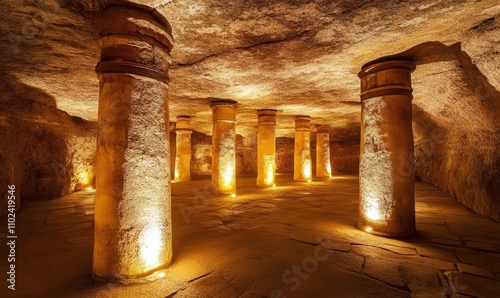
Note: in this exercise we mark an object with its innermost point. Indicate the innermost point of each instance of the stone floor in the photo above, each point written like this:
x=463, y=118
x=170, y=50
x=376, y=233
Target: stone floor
x=294, y=240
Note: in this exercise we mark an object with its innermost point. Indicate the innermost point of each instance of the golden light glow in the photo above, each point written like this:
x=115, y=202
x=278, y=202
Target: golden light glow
x=155, y=276
x=227, y=176
x=372, y=208
x=151, y=245
x=266, y=168
x=329, y=168
x=89, y=188
x=269, y=170
x=83, y=178
x=368, y=229
x=306, y=169
x=176, y=171
x=233, y=195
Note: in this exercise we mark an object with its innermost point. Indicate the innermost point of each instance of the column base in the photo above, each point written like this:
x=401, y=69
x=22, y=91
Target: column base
x=371, y=230
x=265, y=185
x=150, y=276
x=302, y=180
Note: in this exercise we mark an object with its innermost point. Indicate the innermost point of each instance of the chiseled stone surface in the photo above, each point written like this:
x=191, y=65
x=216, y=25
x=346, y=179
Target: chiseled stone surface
x=297, y=57
x=44, y=152
x=295, y=240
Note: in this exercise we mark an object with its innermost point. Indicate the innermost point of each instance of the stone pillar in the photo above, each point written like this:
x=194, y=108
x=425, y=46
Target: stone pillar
x=302, y=170
x=266, y=148
x=133, y=231
x=224, y=146
x=183, y=149
x=386, y=170
x=323, y=165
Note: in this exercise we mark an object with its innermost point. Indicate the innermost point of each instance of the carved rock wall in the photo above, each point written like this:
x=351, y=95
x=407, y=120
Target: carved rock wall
x=345, y=159
x=456, y=127
x=44, y=152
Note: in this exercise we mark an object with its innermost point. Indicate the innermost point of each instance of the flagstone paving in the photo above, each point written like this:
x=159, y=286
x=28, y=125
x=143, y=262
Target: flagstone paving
x=298, y=239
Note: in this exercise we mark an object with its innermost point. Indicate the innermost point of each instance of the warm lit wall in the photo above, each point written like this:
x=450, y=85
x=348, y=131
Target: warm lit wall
x=458, y=147
x=246, y=154
x=284, y=155
x=44, y=151
x=344, y=158
x=456, y=108
x=201, y=154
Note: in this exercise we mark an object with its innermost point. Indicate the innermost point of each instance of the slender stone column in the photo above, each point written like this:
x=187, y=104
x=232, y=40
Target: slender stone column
x=266, y=148
x=183, y=149
x=386, y=171
x=302, y=170
x=132, y=234
x=323, y=166
x=224, y=146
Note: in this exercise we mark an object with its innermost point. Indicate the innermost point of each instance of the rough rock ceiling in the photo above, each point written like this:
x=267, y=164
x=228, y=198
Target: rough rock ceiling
x=300, y=57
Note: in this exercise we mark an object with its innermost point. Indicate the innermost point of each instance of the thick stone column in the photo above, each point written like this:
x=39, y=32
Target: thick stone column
x=302, y=170
x=183, y=149
x=323, y=165
x=386, y=171
x=266, y=148
x=224, y=146
x=133, y=232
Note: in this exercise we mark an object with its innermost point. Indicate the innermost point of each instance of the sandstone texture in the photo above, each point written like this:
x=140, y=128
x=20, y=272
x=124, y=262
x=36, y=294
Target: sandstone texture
x=44, y=152
x=298, y=57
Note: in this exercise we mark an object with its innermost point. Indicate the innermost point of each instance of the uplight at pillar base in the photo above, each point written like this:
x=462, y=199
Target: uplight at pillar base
x=151, y=247
x=223, y=147
x=306, y=168
x=269, y=166
x=372, y=209
x=227, y=180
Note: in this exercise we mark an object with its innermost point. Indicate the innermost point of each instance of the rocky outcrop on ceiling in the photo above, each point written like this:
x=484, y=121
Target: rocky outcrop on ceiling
x=295, y=56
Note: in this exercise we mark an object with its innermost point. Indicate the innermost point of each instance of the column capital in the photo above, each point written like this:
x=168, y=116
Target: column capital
x=267, y=112
x=223, y=110
x=183, y=123
x=302, y=122
x=226, y=102
x=267, y=117
x=134, y=40
x=390, y=77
